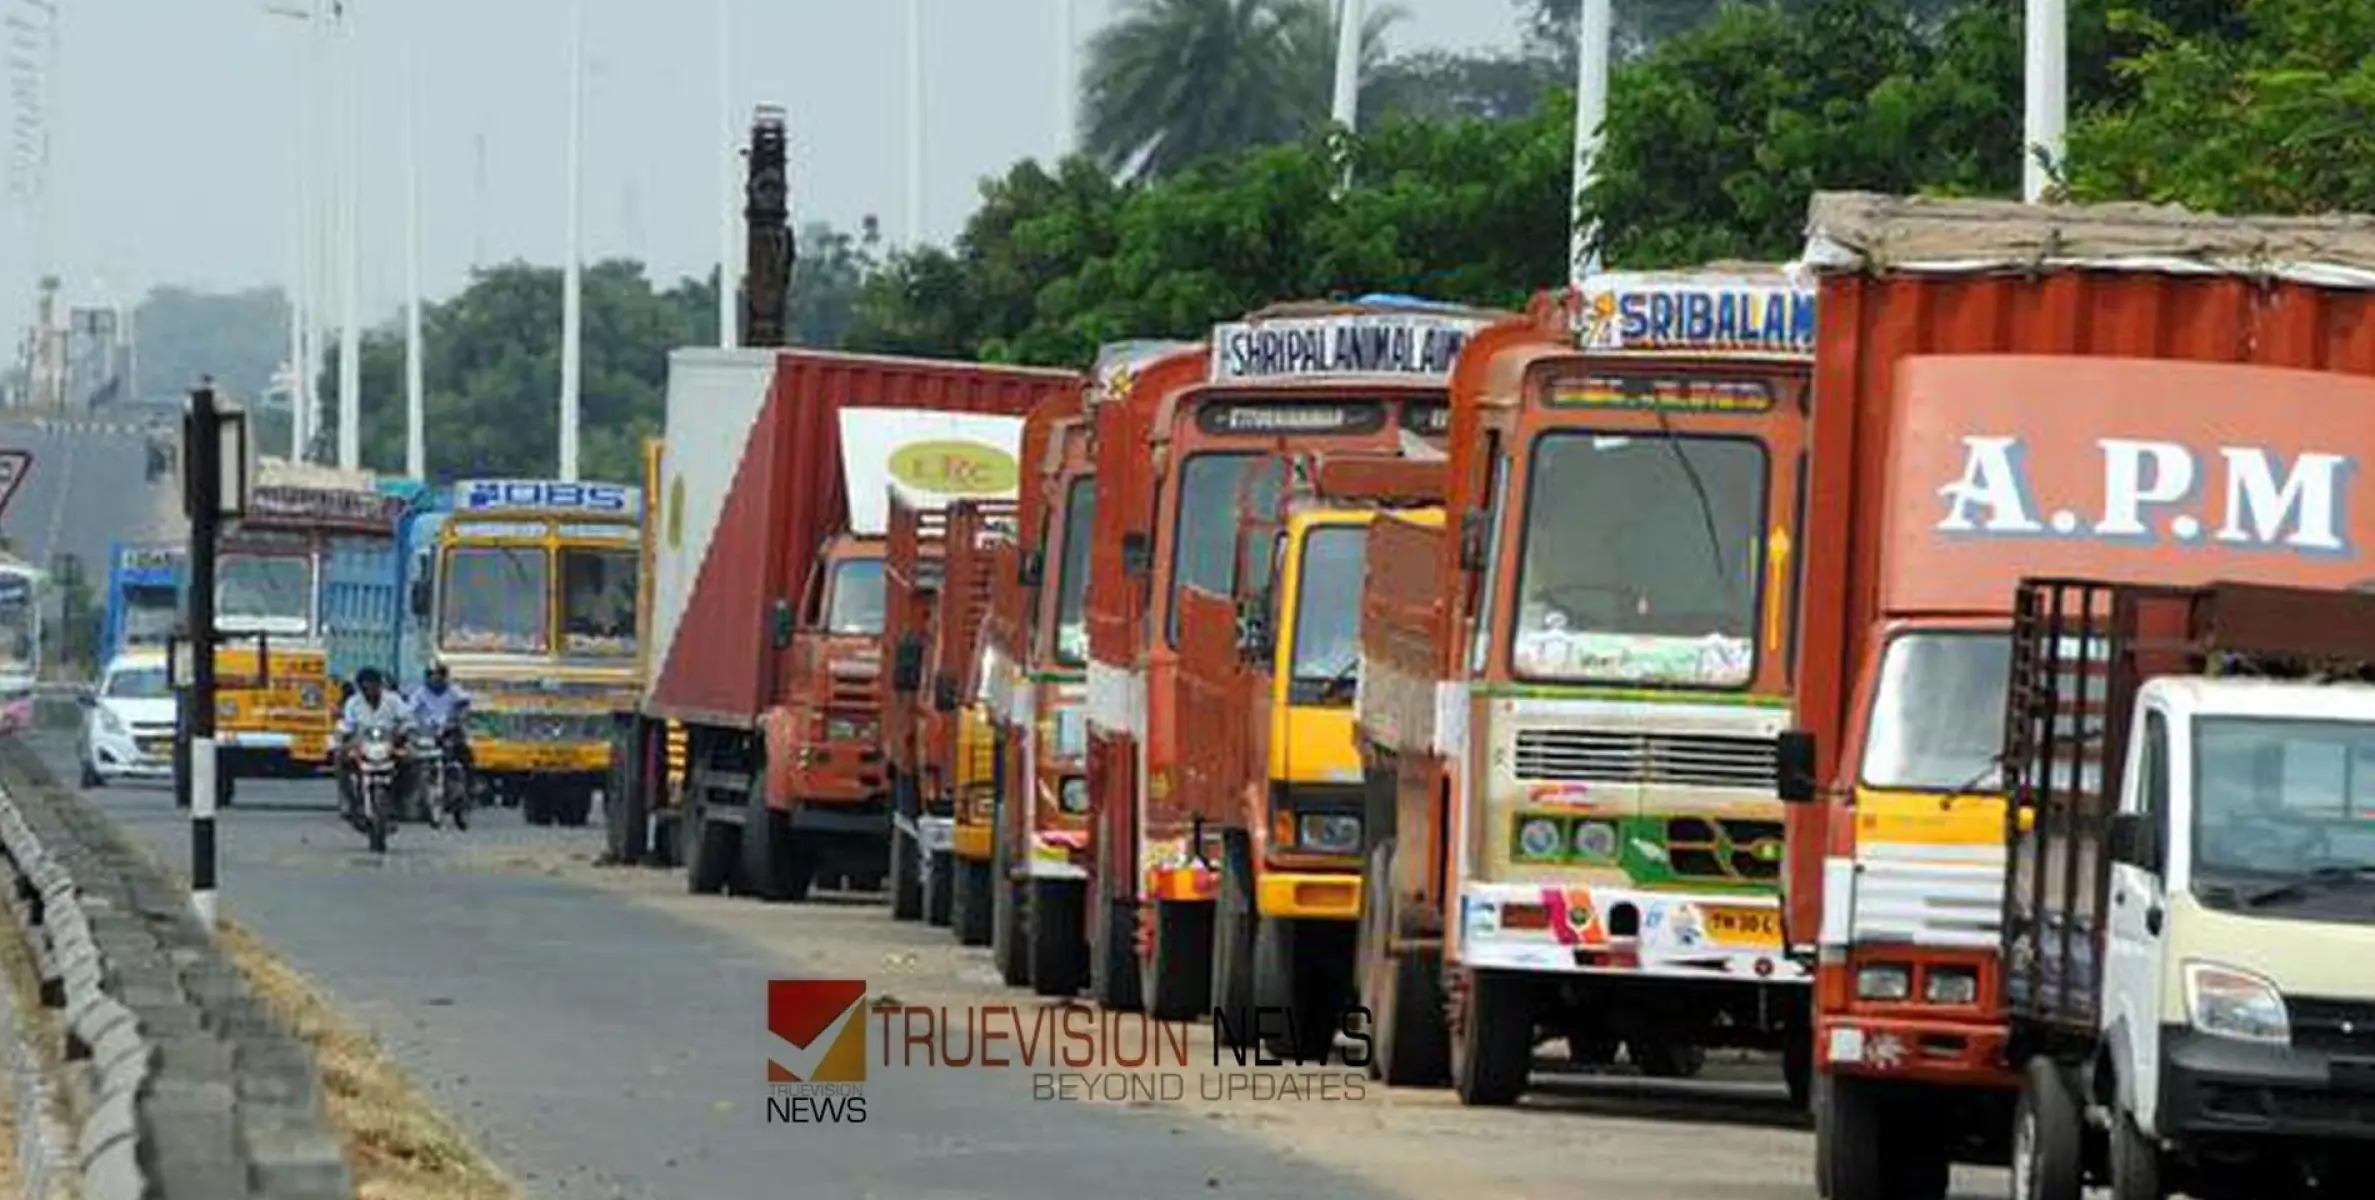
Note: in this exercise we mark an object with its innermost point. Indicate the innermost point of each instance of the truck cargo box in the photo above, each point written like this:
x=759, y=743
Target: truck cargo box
x=753, y=468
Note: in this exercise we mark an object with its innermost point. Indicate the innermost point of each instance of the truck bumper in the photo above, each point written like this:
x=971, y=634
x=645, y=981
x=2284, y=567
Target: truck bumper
x=1056, y=854
x=933, y=835
x=971, y=842
x=1946, y=1053
x=1573, y=930
x=490, y=757
x=2216, y=1089
x=1308, y=895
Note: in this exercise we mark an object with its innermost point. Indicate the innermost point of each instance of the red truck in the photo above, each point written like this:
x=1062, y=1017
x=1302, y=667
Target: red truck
x=777, y=465
x=2130, y=406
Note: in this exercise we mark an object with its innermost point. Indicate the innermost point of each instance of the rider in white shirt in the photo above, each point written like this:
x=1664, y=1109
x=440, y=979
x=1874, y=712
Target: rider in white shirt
x=439, y=703
x=370, y=707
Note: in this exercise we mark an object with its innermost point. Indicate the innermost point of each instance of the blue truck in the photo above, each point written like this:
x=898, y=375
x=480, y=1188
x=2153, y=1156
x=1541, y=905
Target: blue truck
x=144, y=594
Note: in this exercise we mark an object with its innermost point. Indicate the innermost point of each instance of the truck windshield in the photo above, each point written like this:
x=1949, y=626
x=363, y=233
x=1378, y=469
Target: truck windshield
x=2284, y=796
x=1937, y=722
x=853, y=604
x=150, y=612
x=598, y=601
x=1072, y=579
x=137, y=683
x=1641, y=560
x=1204, y=546
x=1327, y=650
x=496, y=600
x=257, y=593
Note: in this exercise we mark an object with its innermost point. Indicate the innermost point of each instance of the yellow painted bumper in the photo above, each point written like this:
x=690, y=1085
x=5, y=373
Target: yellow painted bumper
x=539, y=758
x=1308, y=895
x=971, y=842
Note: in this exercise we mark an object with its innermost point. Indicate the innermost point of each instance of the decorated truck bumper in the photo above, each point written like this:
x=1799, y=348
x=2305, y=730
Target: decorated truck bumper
x=1617, y=930
x=507, y=741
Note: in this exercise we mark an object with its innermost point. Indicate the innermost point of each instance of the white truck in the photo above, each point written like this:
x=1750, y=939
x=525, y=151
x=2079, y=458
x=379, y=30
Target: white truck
x=2189, y=933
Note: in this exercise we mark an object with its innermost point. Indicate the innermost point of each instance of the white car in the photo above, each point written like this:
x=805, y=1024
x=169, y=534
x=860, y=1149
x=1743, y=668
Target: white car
x=127, y=726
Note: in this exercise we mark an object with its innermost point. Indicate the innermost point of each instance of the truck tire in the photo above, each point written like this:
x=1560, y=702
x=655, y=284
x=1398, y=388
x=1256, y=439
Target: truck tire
x=1303, y=966
x=2048, y=1157
x=625, y=819
x=709, y=851
x=575, y=805
x=536, y=802
x=1404, y=993
x=1010, y=930
x=1492, y=1037
x=1178, y=981
x=666, y=835
x=970, y=912
x=2135, y=1161
x=1113, y=956
x=1797, y=1067
x=940, y=881
x=907, y=885
x=771, y=860
x=1869, y=1148
x=1233, y=921
x=1055, y=926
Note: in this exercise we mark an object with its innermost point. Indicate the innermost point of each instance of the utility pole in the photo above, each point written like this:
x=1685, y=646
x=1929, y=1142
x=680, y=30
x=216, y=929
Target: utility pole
x=214, y=489
x=915, y=124
x=729, y=231
x=1594, y=33
x=572, y=316
x=415, y=417
x=350, y=255
x=2047, y=94
x=1067, y=77
x=1345, y=110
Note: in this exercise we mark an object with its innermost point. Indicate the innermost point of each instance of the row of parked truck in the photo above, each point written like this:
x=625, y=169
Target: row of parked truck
x=528, y=590
x=1931, y=661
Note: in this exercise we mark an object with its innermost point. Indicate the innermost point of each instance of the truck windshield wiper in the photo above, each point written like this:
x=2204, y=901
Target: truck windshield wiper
x=2297, y=889
x=1335, y=681
x=1690, y=473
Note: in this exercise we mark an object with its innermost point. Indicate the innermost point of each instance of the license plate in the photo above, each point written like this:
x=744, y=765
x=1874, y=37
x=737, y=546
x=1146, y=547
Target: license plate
x=156, y=746
x=1759, y=927
x=550, y=760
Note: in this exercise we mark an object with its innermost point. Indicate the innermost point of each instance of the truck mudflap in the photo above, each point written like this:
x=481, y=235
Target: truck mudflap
x=1592, y=930
x=1173, y=872
x=931, y=835
x=1057, y=854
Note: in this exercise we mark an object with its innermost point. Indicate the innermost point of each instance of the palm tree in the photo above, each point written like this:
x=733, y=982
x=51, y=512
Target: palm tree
x=1173, y=81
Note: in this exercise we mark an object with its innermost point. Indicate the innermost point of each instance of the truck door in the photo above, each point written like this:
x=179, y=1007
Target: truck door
x=2139, y=912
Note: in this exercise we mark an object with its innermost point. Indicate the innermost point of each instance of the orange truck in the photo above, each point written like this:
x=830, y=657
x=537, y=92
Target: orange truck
x=1267, y=675
x=2134, y=405
x=1572, y=693
x=959, y=766
x=911, y=569
x=1035, y=687
x=1172, y=451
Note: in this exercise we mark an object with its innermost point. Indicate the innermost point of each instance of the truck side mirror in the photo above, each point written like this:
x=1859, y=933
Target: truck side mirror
x=1472, y=533
x=779, y=623
x=907, y=665
x=944, y=694
x=1254, y=646
x=2135, y=841
x=86, y=700
x=1793, y=766
x=1030, y=569
x=420, y=597
x=1138, y=554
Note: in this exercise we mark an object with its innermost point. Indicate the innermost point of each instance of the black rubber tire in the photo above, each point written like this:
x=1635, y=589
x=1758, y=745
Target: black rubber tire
x=1010, y=928
x=1412, y=1043
x=906, y=878
x=1177, y=983
x=1056, y=930
x=1305, y=967
x=2048, y=1136
x=536, y=803
x=940, y=885
x=626, y=820
x=2135, y=1162
x=1113, y=958
x=91, y=778
x=575, y=806
x=377, y=829
x=767, y=854
x=1797, y=1068
x=1233, y=920
x=1872, y=1148
x=970, y=910
x=710, y=849
x=666, y=836
x=1492, y=1048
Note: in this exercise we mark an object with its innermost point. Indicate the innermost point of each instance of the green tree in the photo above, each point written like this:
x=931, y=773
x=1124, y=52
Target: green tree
x=1173, y=81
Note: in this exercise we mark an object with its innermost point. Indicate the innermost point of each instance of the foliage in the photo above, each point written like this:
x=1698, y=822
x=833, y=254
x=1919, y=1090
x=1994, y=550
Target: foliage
x=239, y=338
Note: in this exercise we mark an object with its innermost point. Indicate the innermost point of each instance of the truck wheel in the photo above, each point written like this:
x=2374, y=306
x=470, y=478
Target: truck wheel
x=628, y=825
x=1797, y=1066
x=1492, y=1042
x=666, y=833
x=575, y=805
x=1404, y=993
x=709, y=850
x=1867, y=1151
x=1303, y=966
x=767, y=853
x=969, y=910
x=907, y=886
x=1010, y=934
x=1233, y=921
x=939, y=887
x=1113, y=975
x=2047, y=1129
x=1178, y=980
x=2135, y=1162
x=1055, y=926
x=535, y=801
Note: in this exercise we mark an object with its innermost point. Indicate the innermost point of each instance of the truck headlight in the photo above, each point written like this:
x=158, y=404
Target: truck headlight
x=1328, y=833
x=1890, y=982
x=2225, y=1002
x=1951, y=985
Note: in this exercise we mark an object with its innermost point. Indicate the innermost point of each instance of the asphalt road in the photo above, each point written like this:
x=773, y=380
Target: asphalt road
x=88, y=487
x=603, y=1035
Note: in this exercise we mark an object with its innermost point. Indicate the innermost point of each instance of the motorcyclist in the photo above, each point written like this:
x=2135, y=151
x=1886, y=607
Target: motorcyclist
x=437, y=707
x=371, y=707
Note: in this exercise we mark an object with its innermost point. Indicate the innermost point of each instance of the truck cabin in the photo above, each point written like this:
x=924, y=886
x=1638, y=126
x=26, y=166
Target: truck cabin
x=144, y=607
x=536, y=569
x=914, y=557
x=838, y=637
x=954, y=735
x=1983, y=486
x=1049, y=634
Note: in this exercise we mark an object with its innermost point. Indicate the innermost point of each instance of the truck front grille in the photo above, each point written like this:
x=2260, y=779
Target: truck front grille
x=1693, y=760
x=1724, y=848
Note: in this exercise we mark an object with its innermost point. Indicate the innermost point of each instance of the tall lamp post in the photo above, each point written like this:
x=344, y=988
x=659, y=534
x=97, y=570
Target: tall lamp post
x=214, y=490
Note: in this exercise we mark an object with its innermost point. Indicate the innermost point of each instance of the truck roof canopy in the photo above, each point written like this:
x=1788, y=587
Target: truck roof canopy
x=1866, y=231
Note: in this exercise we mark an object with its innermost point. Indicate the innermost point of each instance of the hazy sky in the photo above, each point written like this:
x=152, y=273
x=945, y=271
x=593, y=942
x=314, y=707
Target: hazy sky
x=175, y=127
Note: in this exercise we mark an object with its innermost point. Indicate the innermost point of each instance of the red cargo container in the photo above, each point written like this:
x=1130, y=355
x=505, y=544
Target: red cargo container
x=1895, y=878
x=754, y=488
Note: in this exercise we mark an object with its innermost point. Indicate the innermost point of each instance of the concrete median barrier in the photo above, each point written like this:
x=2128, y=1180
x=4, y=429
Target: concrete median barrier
x=186, y=1088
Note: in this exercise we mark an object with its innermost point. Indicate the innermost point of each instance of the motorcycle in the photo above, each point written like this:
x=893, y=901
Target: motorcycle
x=376, y=765
x=445, y=787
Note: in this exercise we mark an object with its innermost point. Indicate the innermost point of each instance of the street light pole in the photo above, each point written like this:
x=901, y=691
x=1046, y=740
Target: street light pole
x=1594, y=33
x=729, y=227
x=415, y=416
x=572, y=317
x=350, y=281
x=915, y=124
x=214, y=487
x=2046, y=100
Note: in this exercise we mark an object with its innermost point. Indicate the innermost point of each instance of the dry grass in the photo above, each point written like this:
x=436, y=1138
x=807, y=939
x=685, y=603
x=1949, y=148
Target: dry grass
x=398, y=1144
